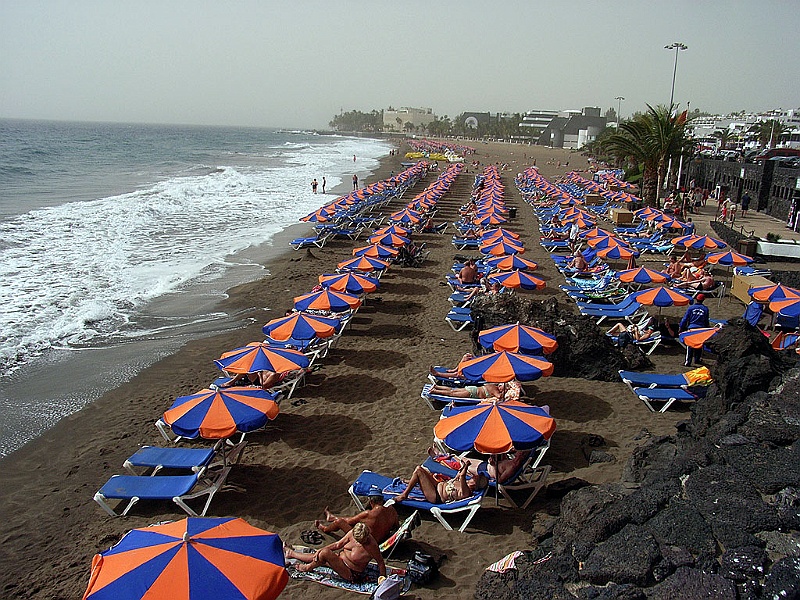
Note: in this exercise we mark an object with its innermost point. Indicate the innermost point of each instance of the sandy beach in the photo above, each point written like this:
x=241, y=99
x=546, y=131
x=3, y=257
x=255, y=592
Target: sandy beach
x=361, y=410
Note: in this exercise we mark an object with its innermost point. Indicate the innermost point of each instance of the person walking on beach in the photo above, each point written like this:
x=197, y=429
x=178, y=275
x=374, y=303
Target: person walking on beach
x=696, y=317
x=324, y=183
x=355, y=179
x=314, y=186
x=354, y=158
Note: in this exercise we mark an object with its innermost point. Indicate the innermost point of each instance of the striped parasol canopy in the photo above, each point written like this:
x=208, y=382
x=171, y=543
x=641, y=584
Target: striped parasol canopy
x=518, y=338
x=258, y=356
x=376, y=251
x=777, y=291
x=661, y=297
x=350, y=282
x=389, y=239
x=787, y=307
x=517, y=280
x=699, y=242
x=492, y=428
x=617, y=253
x=192, y=559
x=642, y=275
x=327, y=299
x=729, y=259
x=507, y=262
x=503, y=366
x=695, y=338
x=502, y=247
x=219, y=414
x=301, y=326
x=365, y=264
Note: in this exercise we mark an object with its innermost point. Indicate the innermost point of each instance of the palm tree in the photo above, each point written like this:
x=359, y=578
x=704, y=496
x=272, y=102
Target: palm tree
x=650, y=140
x=724, y=136
x=768, y=132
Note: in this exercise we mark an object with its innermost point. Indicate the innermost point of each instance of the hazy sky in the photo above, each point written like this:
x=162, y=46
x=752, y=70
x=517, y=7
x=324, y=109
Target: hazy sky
x=297, y=63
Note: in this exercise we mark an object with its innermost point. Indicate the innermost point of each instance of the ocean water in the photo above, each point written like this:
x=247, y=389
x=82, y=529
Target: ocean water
x=109, y=231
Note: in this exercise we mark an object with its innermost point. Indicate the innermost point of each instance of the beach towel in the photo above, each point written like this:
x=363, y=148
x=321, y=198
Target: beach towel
x=506, y=563
x=328, y=577
x=698, y=376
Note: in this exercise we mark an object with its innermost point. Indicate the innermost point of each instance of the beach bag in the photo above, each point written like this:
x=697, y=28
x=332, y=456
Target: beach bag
x=389, y=589
x=422, y=568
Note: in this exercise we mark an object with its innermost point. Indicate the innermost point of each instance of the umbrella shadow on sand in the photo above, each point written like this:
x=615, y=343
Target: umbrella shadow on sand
x=576, y=407
x=386, y=330
x=569, y=450
x=371, y=359
x=359, y=389
x=326, y=434
x=285, y=495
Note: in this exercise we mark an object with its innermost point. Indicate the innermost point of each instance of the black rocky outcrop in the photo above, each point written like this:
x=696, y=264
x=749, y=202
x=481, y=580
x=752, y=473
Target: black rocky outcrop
x=712, y=511
x=583, y=349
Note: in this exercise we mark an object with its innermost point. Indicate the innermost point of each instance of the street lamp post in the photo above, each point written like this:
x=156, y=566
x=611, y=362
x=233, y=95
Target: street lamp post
x=619, y=100
x=677, y=46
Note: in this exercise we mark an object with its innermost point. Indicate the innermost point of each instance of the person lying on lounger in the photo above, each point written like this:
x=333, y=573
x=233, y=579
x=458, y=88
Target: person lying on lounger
x=511, y=390
x=630, y=334
x=348, y=556
x=381, y=520
x=450, y=373
x=441, y=492
x=498, y=468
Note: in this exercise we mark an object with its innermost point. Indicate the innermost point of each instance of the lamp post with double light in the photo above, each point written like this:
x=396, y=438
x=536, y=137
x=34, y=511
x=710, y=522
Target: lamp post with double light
x=619, y=100
x=677, y=46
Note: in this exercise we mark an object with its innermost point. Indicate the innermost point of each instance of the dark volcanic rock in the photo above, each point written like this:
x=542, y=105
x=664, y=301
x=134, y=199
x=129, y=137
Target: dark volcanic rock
x=612, y=592
x=732, y=507
x=692, y=583
x=768, y=469
x=743, y=564
x=625, y=557
x=783, y=580
x=583, y=348
x=681, y=525
x=540, y=579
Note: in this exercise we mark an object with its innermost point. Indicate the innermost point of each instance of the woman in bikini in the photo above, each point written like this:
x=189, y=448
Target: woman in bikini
x=511, y=390
x=441, y=492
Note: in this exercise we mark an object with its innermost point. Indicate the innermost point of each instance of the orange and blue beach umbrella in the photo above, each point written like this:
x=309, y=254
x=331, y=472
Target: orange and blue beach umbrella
x=352, y=283
x=695, y=338
x=768, y=293
x=218, y=414
x=394, y=229
x=729, y=259
x=661, y=297
x=376, y=251
x=617, y=253
x=518, y=338
x=502, y=247
x=192, y=559
x=365, y=264
x=493, y=234
x=788, y=307
x=517, y=280
x=508, y=262
x=699, y=242
x=642, y=275
x=492, y=428
x=325, y=299
x=258, y=356
x=301, y=326
x=389, y=239
x=503, y=366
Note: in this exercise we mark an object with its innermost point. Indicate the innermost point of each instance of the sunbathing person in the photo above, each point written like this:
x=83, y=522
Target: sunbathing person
x=348, y=556
x=639, y=334
x=510, y=390
x=381, y=520
x=578, y=263
x=704, y=282
x=468, y=273
x=440, y=492
x=674, y=268
x=450, y=373
x=503, y=466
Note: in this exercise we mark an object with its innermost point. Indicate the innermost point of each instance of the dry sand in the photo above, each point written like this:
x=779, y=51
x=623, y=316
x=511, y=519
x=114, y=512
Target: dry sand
x=362, y=410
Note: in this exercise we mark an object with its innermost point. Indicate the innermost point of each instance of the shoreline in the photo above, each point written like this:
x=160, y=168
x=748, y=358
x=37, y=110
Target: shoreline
x=362, y=410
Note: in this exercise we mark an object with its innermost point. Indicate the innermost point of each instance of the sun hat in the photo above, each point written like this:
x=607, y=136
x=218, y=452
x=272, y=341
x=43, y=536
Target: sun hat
x=700, y=297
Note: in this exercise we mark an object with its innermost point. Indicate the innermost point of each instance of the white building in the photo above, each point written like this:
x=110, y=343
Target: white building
x=396, y=120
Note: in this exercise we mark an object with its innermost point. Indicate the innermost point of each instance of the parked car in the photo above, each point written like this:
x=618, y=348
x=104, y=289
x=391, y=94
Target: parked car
x=773, y=152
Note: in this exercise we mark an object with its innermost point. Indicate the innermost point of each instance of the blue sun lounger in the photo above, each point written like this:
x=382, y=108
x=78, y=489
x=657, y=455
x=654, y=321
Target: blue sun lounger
x=666, y=395
x=178, y=488
x=636, y=379
x=438, y=401
x=370, y=483
x=459, y=318
x=317, y=241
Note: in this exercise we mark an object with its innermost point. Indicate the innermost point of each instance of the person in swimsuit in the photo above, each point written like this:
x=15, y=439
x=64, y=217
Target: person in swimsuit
x=380, y=519
x=511, y=390
x=502, y=466
x=441, y=492
x=348, y=556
